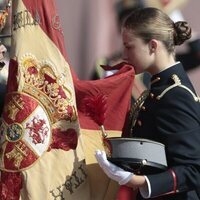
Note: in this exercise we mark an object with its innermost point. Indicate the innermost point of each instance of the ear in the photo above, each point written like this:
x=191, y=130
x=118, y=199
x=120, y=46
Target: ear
x=153, y=44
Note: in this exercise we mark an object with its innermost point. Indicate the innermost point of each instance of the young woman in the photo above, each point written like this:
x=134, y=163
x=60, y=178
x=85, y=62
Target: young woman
x=170, y=114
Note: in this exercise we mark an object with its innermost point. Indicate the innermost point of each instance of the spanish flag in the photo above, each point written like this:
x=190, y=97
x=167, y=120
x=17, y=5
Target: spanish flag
x=52, y=121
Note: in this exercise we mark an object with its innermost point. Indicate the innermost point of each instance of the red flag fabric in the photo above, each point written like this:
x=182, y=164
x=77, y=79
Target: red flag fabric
x=48, y=135
x=126, y=193
x=117, y=90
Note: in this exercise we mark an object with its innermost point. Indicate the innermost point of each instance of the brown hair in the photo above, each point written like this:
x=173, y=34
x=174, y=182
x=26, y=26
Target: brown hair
x=151, y=23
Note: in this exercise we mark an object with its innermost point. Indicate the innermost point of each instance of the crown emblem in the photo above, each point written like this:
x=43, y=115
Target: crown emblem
x=41, y=81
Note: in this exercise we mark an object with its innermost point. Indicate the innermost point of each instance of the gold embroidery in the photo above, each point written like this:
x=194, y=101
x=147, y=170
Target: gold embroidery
x=136, y=108
x=42, y=82
x=14, y=106
x=18, y=153
x=177, y=83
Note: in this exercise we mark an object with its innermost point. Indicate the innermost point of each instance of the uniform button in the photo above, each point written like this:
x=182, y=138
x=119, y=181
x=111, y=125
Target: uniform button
x=151, y=95
x=139, y=123
x=143, y=108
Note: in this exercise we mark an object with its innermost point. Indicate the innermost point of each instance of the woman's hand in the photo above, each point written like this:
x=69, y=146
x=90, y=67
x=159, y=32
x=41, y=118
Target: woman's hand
x=116, y=173
x=112, y=171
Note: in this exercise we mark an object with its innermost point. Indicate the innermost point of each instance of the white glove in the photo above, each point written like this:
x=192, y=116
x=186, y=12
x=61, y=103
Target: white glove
x=112, y=171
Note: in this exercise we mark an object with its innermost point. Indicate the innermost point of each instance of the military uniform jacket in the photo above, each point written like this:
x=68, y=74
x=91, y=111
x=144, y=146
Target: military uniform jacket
x=171, y=115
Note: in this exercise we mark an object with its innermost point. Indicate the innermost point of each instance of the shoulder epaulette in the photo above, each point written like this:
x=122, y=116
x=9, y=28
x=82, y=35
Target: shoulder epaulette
x=177, y=83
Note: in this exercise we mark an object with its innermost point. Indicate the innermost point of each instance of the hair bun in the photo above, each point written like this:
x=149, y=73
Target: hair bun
x=182, y=32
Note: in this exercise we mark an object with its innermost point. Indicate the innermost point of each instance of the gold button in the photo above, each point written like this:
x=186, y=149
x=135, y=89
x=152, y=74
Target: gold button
x=143, y=108
x=151, y=95
x=139, y=123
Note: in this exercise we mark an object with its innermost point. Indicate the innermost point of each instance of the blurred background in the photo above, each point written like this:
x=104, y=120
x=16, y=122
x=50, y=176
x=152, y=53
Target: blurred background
x=91, y=29
x=92, y=33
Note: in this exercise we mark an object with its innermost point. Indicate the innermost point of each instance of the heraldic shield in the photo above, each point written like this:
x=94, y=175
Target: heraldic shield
x=25, y=132
x=29, y=117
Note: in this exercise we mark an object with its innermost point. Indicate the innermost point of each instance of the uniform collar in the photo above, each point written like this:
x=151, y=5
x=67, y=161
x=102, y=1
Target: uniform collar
x=164, y=76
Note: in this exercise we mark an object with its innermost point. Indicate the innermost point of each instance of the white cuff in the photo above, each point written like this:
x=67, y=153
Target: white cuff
x=146, y=191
